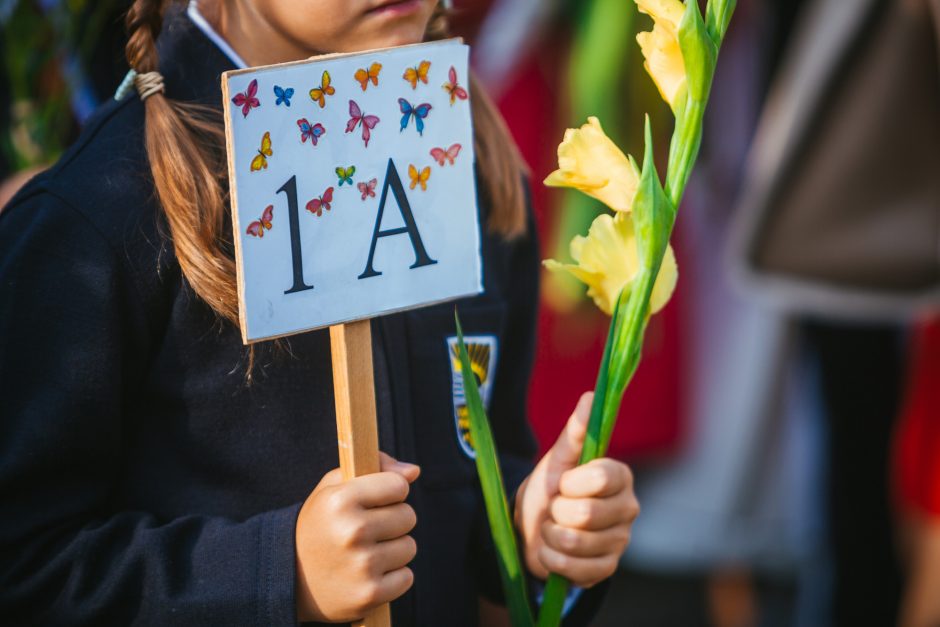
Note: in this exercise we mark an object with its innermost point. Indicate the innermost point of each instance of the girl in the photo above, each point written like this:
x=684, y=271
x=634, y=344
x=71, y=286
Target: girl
x=145, y=481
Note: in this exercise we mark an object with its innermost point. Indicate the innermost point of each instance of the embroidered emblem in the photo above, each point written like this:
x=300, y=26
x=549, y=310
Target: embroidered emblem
x=482, y=350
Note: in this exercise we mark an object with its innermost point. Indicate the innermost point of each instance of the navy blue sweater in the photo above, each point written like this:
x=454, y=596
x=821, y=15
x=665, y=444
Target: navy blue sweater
x=142, y=481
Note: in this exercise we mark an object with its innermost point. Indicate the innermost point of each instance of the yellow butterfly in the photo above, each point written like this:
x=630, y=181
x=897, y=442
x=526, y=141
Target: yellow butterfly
x=260, y=162
x=419, y=178
x=319, y=94
x=415, y=74
x=372, y=74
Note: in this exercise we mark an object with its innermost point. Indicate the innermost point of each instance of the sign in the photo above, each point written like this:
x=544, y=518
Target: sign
x=352, y=186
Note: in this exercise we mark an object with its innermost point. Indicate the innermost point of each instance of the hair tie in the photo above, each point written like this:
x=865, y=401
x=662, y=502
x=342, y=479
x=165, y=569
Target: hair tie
x=148, y=84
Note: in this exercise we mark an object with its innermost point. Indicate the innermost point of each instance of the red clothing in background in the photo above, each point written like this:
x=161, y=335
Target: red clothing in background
x=917, y=449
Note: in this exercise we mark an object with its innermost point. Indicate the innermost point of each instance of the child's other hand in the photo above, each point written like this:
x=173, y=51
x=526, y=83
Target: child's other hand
x=575, y=520
x=352, y=544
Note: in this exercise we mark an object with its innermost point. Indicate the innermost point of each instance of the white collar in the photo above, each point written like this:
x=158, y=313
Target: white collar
x=193, y=12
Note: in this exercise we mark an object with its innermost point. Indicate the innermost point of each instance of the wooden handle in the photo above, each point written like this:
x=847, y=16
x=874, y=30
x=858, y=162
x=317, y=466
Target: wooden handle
x=354, y=390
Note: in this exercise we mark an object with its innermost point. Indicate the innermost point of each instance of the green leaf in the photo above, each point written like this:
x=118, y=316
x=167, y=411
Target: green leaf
x=653, y=215
x=494, y=494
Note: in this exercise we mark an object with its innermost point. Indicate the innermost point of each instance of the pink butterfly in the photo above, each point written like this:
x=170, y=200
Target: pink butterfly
x=357, y=117
x=317, y=205
x=257, y=227
x=247, y=99
x=368, y=189
x=453, y=88
x=440, y=155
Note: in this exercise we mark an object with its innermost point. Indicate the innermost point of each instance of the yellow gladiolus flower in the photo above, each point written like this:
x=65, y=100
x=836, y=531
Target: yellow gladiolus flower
x=606, y=261
x=590, y=162
x=660, y=47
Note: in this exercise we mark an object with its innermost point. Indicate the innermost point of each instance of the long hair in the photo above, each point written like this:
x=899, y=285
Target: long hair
x=189, y=179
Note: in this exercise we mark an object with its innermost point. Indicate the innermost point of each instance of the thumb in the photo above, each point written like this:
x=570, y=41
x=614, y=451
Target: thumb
x=567, y=448
x=406, y=470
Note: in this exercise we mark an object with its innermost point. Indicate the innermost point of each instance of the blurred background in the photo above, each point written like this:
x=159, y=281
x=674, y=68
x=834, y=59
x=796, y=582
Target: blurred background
x=784, y=425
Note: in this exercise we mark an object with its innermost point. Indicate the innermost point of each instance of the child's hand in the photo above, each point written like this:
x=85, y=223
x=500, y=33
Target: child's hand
x=575, y=520
x=352, y=543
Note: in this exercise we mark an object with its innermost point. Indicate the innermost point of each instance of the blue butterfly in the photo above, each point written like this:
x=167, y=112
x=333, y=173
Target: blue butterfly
x=283, y=95
x=419, y=113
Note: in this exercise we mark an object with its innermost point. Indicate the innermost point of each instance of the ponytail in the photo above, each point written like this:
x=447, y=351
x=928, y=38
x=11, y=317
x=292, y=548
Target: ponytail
x=187, y=178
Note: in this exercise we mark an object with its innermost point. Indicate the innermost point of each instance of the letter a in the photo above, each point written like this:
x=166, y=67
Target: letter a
x=393, y=181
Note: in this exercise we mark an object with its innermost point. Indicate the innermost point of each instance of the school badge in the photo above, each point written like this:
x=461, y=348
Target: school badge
x=482, y=351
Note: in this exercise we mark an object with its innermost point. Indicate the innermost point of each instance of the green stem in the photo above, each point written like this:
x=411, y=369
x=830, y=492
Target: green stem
x=556, y=587
x=683, y=149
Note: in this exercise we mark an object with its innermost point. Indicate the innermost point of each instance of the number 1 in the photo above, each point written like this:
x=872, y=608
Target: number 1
x=290, y=189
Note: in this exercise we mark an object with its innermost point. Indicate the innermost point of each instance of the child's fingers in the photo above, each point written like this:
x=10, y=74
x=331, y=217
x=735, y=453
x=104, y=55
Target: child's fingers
x=597, y=478
x=391, y=555
x=377, y=490
x=592, y=514
x=582, y=571
x=390, y=522
x=406, y=470
x=582, y=543
x=393, y=585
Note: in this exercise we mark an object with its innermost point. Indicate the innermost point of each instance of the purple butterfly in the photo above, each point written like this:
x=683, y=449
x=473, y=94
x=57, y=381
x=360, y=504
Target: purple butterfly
x=313, y=133
x=357, y=118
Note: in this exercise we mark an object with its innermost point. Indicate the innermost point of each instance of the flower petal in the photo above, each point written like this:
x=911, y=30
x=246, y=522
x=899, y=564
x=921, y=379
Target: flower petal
x=665, y=282
x=590, y=162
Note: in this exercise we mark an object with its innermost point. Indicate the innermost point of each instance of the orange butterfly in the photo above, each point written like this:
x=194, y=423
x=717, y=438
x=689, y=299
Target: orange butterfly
x=440, y=155
x=319, y=94
x=257, y=227
x=260, y=161
x=372, y=74
x=454, y=89
x=419, y=73
x=419, y=178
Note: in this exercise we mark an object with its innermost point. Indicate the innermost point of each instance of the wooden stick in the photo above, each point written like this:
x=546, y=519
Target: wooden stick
x=357, y=434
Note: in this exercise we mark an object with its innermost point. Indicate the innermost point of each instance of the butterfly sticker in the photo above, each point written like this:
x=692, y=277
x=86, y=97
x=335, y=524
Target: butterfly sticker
x=357, y=118
x=367, y=189
x=317, y=205
x=372, y=74
x=258, y=227
x=345, y=175
x=419, y=178
x=409, y=111
x=284, y=95
x=319, y=94
x=260, y=161
x=454, y=89
x=312, y=132
x=247, y=100
x=440, y=155
x=418, y=73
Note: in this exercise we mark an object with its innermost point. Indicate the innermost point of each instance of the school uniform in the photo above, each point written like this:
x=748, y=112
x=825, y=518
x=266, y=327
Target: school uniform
x=142, y=480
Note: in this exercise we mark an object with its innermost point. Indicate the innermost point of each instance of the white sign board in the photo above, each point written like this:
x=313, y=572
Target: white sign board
x=352, y=186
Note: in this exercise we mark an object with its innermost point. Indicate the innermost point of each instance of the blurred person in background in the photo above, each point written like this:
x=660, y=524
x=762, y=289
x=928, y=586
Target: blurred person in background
x=838, y=224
